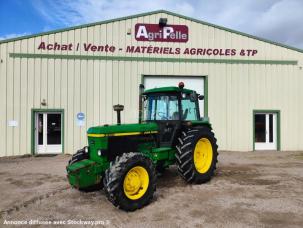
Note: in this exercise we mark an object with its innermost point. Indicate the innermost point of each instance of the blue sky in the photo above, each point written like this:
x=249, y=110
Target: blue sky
x=277, y=20
x=19, y=18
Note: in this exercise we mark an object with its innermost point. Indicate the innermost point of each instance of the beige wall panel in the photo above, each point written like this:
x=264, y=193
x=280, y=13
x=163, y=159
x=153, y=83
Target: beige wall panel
x=96, y=92
x=37, y=75
x=44, y=80
x=70, y=107
x=3, y=98
x=103, y=78
x=57, y=76
x=121, y=88
x=228, y=113
x=84, y=88
x=64, y=102
x=77, y=93
x=127, y=88
x=16, y=99
x=30, y=93
x=70, y=123
x=115, y=88
x=77, y=100
x=51, y=83
x=109, y=88
x=10, y=100
x=90, y=85
x=24, y=125
x=90, y=93
x=102, y=91
x=136, y=76
x=51, y=76
x=96, y=78
x=57, y=83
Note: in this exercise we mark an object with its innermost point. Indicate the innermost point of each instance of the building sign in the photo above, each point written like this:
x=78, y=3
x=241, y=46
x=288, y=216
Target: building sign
x=152, y=33
x=80, y=116
x=155, y=32
x=145, y=49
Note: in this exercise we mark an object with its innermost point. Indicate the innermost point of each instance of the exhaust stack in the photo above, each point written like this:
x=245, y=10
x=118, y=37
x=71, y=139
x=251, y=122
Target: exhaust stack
x=118, y=108
x=141, y=91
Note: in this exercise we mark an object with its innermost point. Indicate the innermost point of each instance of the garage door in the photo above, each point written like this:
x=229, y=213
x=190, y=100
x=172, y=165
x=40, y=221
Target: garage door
x=194, y=83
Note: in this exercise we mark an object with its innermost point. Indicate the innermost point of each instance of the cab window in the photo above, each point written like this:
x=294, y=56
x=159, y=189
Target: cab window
x=161, y=107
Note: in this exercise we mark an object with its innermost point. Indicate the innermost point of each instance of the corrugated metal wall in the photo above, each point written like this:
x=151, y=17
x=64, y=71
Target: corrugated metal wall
x=93, y=86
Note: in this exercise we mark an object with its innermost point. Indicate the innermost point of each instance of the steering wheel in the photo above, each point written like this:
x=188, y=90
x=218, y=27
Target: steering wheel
x=162, y=115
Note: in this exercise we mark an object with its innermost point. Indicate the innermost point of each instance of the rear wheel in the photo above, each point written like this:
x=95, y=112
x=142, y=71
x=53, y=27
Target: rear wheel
x=130, y=181
x=197, y=155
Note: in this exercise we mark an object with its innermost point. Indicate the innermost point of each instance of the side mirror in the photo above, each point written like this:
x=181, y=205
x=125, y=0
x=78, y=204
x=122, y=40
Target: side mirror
x=201, y=97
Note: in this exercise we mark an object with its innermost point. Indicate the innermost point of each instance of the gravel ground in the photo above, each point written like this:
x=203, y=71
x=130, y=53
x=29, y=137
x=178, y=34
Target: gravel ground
x=250, y=189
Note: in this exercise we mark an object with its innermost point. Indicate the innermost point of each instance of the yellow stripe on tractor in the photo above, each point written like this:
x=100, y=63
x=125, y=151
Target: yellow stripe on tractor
x=122, y=134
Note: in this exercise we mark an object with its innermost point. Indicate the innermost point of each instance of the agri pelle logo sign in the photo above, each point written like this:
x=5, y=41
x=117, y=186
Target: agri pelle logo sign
x=168, y=33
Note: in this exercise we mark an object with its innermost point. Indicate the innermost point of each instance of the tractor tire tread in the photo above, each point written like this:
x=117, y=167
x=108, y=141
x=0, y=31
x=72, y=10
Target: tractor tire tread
x=114, y=178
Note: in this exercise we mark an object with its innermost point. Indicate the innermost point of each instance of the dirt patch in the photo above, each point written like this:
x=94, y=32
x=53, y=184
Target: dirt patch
x=260, y=189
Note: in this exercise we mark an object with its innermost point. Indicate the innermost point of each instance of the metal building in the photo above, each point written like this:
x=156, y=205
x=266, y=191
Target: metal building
x=55, y=85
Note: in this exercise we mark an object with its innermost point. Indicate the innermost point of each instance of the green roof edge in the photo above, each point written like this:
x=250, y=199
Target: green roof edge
x=150, y=13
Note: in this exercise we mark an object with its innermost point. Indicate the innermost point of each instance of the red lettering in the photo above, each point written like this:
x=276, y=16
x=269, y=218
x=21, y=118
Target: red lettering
x=186, y=51
x=209, y=51
x=49, y=47
x=171, y=51
x=227, y=51
x=156, y=50
x=221, y=52
x=112, y=49
x=192, y=51
x=86, y=46
x=165, y=51
x=41, y=46
x=93, y=48
x=137, y=50
x=215, y=51
x=199, y=51
x=130, y=49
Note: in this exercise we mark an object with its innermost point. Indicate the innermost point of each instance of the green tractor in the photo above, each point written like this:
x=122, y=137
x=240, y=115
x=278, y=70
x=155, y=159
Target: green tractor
x=125, y=159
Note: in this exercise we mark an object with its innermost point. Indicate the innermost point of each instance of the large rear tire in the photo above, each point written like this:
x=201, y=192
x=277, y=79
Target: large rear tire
x=130, y=181
x=197, y=155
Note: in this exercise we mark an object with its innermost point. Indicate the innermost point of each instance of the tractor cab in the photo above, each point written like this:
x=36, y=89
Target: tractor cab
x=170, y=108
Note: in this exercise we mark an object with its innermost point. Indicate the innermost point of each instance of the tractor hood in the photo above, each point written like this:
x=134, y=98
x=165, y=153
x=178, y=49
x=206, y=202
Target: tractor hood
x=123, y=128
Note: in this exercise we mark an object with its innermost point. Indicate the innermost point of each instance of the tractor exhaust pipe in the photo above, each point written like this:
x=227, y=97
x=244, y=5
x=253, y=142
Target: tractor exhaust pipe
x=141, y=90
x=118, y=108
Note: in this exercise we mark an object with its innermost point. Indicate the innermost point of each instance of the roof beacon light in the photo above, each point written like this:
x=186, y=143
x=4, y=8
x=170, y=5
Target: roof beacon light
x=181, y=85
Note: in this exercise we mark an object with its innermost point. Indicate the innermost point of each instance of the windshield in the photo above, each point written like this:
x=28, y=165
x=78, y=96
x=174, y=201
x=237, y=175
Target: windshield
x=161, y=107
x=165, y=107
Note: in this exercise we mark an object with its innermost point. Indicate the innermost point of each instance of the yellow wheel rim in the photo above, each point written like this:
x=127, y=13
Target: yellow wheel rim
x=203, y=155
x=136, y=182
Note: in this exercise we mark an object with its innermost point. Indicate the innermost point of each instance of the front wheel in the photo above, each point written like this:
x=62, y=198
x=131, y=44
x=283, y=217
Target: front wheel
x=130, y=181
x=197, y=155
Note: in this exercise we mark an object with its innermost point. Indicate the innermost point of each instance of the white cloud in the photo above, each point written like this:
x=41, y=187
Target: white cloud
x=278, y=20
x=13, y=35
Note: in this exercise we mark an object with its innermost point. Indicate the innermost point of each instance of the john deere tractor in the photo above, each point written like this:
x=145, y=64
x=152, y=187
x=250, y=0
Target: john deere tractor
x=125, y=159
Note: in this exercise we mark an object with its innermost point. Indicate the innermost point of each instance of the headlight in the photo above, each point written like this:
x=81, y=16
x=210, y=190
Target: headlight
x=86, y=149
x=99, y=152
